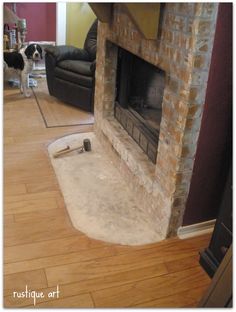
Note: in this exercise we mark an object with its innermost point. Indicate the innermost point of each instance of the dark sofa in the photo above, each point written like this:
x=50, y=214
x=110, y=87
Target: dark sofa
x=71, y=71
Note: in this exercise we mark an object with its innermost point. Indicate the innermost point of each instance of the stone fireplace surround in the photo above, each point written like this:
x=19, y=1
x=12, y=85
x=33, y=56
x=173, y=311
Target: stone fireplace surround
x=183, y=50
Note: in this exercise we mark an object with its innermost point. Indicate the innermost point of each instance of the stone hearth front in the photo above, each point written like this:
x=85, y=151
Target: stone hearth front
x=183, y=51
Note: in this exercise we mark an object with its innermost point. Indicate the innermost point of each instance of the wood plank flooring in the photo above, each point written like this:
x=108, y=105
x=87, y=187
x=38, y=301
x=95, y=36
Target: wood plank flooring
x=57, y=113
x=43, y=250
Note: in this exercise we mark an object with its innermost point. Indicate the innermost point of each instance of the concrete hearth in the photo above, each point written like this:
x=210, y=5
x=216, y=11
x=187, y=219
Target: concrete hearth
x=99, y=201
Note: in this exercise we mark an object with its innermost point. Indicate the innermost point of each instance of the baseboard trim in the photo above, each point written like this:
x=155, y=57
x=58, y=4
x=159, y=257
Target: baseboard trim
x=196, y=229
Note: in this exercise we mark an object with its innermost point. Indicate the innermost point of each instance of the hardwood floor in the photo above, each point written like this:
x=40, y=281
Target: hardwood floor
x=43, y=250
x=57, y=113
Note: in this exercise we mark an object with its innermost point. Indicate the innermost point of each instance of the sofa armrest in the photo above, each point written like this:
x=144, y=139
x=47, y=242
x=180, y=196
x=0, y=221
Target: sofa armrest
x=93, y=67
x=65, y=52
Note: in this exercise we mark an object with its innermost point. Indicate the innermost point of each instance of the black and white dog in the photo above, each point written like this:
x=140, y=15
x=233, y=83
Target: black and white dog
x=21, y=63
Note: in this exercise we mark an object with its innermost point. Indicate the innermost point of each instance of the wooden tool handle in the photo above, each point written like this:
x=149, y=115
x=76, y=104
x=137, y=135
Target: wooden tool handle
x=66, y=150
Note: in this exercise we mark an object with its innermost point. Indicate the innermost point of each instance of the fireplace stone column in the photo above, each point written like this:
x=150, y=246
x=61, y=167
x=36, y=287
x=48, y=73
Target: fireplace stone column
x=183, y=50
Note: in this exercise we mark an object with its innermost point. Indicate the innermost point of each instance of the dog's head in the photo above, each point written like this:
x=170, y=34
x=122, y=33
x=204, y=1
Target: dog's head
x=34, y=52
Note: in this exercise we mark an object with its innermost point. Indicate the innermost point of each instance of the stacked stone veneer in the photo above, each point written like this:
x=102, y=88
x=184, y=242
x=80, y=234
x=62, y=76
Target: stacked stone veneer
x=183, y=50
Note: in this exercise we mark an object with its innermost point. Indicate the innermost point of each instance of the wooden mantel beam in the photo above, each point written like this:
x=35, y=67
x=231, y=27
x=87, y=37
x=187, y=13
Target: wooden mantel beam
x=103, y=11
x=146, y=17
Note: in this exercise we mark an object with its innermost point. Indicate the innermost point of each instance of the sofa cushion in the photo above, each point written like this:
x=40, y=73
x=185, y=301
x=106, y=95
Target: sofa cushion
x=76, y=78
x=78, y=67
x=66, y=52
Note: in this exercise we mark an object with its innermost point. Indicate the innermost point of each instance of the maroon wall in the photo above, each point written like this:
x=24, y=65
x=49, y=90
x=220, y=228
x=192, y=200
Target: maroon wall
x=40, y=18
x=214, y=144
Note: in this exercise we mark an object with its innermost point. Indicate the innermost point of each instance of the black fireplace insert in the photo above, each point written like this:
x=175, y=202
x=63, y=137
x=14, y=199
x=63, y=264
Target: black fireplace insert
x=138, y=107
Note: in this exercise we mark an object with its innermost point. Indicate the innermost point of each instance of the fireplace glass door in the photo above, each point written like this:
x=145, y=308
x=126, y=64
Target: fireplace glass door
x=140, y=88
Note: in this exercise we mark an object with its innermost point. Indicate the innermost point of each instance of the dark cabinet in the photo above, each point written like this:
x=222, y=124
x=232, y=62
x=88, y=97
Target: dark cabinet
x=221, y=240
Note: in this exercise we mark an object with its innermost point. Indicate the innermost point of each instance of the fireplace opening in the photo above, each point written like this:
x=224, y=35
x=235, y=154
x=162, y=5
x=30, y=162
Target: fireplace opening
x=138, y=106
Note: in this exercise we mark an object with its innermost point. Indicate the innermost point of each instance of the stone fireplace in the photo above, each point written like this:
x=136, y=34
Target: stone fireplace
x=160, y=174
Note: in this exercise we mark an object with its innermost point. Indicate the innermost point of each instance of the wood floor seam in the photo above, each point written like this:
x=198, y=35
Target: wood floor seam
x=38, y=241
x=135, y=305
x=93, y=299
x=148, y=278
x=46, y=267
x=114, y=256
x=32, y=243
x=60, y=254
x=44, y=271
x=71, y=236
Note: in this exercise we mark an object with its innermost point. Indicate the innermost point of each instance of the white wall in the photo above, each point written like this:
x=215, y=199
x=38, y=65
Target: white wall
x=61, y=23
